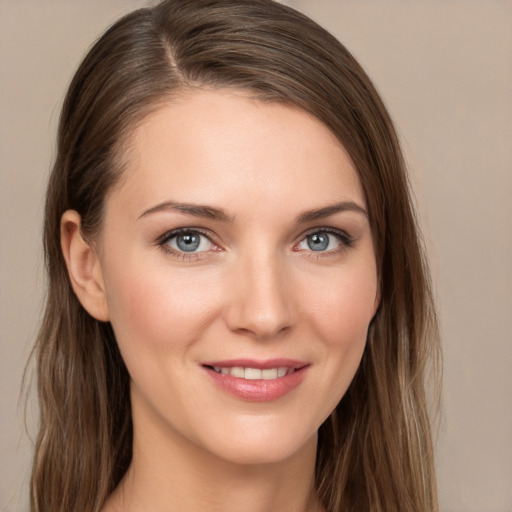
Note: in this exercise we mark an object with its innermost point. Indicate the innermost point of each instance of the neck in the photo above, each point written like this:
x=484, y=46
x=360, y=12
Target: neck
x=169, y=473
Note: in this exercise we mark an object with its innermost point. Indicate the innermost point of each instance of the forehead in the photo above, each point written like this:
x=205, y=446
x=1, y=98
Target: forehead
x=210, y=145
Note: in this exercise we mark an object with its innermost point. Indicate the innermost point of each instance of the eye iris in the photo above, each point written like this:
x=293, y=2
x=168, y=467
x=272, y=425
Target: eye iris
x=188, y=243
x=318, y=242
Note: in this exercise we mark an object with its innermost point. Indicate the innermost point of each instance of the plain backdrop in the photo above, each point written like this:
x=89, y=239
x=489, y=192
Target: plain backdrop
x=444, y=68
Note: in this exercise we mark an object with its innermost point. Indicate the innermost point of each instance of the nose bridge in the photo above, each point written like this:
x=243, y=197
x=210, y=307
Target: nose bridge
x=260, y=302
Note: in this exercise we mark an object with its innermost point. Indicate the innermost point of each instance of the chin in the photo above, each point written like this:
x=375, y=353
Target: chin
x=262, y=447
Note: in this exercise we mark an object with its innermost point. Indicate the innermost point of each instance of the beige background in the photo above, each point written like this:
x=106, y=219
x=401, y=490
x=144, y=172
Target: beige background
x=445, y=70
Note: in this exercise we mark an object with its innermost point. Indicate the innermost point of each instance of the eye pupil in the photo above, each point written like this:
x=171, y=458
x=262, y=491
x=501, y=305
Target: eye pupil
x=188, y=243
x=318, y=241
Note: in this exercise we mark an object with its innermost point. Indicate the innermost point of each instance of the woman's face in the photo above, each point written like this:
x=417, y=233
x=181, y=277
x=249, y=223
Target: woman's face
x=240, y=276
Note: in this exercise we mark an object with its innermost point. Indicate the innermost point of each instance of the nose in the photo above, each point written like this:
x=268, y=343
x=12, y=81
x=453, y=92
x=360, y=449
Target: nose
x=261, y=303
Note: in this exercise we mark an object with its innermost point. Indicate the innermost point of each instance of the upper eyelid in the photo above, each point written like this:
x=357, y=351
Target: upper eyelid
x=326, y=229
x=178, y=231
x=323, y=229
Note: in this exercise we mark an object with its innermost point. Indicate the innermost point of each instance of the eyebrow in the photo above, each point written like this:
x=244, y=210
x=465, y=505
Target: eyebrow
x=321, y=213
x=197, y=210
x=219, y=214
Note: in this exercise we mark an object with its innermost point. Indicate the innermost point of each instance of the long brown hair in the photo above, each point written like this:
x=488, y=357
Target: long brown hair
x=375, y=450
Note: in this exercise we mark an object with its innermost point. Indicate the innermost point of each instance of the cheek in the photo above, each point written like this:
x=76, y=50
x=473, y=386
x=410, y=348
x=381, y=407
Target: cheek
x=153, y=312
x=344, y=306
x=340, y=316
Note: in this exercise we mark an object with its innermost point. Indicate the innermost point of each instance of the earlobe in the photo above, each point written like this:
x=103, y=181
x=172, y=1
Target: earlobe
x=84, y=267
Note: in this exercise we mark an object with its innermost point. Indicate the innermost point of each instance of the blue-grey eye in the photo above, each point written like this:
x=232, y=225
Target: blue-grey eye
x=320, y=241
x=190, y=242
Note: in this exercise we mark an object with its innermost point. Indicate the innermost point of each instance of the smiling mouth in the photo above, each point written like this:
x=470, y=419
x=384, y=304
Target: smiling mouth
x=257, y=380
x=249, y=373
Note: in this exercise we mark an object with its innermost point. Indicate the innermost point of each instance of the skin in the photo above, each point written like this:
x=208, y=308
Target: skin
x=254, y=289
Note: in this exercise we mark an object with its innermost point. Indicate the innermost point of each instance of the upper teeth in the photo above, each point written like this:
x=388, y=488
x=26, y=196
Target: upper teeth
x=254, y=373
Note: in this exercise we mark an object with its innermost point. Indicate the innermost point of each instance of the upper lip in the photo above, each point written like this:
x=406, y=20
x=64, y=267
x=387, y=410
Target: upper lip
x=258, y=363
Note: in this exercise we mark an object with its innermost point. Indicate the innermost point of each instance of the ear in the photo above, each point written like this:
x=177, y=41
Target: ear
x=83, y=266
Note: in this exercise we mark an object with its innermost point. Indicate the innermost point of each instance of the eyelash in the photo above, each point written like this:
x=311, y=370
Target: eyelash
x=346, y=242
x=164, y=240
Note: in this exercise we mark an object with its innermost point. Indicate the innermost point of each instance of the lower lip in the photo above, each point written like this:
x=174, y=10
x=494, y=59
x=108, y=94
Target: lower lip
x=259, y=390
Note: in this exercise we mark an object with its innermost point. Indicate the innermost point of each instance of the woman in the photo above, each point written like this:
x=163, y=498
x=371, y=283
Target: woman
x=239, y=313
